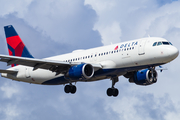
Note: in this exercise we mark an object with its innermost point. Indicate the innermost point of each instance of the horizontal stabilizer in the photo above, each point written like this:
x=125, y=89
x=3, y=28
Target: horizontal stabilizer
x=8, y=71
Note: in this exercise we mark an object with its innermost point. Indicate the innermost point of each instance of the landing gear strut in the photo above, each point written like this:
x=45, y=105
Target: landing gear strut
x=70, y=89
x=113, y=91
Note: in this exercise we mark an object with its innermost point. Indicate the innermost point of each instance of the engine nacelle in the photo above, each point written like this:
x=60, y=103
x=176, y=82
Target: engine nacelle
x=81, y=72
x=144, y=77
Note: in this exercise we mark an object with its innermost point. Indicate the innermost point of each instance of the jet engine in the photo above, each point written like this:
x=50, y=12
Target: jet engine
x=81, y=72
x=144, y=77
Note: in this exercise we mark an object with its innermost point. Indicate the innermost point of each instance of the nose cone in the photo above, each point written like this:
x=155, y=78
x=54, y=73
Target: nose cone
x=173, y=52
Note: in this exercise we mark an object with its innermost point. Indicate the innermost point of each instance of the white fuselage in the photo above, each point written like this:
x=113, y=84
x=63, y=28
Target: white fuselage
x=116, y=59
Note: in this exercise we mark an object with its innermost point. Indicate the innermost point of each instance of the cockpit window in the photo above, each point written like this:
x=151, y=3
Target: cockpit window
x=159, y=43
x=155, y=44
x=170, y=43
x=165, y=43
x=162, y=43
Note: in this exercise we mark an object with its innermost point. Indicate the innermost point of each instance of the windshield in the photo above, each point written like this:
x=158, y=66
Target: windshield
x=161, y=43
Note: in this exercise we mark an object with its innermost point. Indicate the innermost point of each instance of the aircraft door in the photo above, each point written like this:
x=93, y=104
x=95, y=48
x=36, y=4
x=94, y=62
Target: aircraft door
x=27, y=74
x=141, y=48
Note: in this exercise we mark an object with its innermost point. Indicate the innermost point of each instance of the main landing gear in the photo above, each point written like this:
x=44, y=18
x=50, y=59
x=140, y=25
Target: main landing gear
x=110, y=91
x=113, y=91
x=70, y=89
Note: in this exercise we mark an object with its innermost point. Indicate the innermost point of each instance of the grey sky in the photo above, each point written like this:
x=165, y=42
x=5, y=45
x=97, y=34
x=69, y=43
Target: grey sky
x=55, y=27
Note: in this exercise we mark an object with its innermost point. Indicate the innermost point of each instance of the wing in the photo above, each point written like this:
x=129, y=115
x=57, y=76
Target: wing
x=52, y=65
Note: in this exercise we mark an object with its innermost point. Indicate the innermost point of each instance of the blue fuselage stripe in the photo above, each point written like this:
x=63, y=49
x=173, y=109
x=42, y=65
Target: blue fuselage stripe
x=102, y=72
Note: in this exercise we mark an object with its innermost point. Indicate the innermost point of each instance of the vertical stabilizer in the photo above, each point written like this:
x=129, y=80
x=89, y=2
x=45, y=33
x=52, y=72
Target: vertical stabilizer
x=16, y=46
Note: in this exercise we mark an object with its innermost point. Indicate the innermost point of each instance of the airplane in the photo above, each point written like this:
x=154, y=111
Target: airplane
x=136, y=60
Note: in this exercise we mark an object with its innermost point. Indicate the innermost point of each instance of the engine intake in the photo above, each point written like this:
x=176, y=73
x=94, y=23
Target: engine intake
x=81, y=72
x=144, y=77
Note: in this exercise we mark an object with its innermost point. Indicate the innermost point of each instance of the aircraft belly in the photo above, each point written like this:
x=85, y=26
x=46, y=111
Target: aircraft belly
x=41, y=75
x=98, y=75
x=26, y=74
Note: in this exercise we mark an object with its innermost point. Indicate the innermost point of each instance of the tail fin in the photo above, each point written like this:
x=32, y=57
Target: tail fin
x=16, y=46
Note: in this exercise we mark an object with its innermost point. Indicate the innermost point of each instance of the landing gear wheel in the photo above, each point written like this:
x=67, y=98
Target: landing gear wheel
x=115, y=92
x=70, y=89
x=109, y=92
x=73, y=89
x=112, y=92
x=67, y=89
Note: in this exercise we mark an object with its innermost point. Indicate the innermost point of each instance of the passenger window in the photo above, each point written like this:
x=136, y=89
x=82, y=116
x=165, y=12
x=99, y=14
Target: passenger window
x=159, y=43
x=155, y=44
